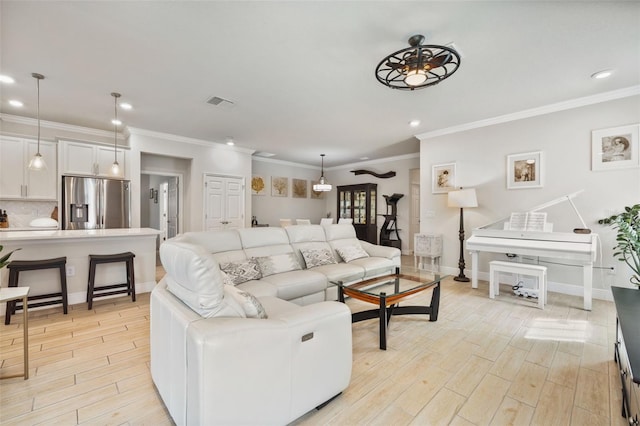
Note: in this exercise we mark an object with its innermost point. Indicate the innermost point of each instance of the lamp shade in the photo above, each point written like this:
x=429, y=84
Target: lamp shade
x=462, y=198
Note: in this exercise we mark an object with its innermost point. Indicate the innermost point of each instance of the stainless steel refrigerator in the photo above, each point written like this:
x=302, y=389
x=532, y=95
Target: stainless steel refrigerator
x=95, y=203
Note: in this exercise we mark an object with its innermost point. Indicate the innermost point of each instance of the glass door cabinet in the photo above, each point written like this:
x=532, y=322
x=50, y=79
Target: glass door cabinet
x=358, y=202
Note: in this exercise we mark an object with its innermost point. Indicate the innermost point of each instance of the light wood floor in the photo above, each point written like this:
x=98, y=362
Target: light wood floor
x=484, y=361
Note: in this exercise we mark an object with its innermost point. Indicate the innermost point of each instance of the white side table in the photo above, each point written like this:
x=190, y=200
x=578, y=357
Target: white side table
x=426, y=245
x=8, y=294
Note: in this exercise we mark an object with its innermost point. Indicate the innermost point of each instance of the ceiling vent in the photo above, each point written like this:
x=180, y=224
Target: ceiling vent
x=217, y=101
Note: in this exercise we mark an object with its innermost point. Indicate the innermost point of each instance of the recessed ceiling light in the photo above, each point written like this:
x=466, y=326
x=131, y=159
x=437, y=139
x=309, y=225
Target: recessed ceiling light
x=602, y=74
x=126, y=106
x=230, y=141
x=116, y=122
x=414, y=123
x=15, y=103
x=364, y=158
x=6, y=79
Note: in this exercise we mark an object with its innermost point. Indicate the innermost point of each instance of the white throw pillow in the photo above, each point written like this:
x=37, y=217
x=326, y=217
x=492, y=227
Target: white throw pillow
x=349, y=253
x=242, y=271
x=317, y=257
x=251, y=305
x=278, y=263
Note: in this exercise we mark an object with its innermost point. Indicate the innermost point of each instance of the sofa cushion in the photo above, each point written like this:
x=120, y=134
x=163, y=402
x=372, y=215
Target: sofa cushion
x=295, y=284
x=213, y=241
x=345, y=272
x=249, y=303
x=374, y=266
x=317, y=257
x=305, y=234
x=259, y=288
x=277, y=264
x=242, y=270
x=349, y=253
x=194, y=276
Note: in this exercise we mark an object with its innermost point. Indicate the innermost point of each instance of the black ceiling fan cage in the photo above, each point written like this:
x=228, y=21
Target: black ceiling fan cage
x=433, y=62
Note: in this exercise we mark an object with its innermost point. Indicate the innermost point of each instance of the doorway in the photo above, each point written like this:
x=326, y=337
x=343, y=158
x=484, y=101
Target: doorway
x=161, y=203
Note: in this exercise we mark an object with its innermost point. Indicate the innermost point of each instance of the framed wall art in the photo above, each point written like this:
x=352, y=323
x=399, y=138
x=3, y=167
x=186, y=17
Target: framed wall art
x=525, y=170
x=615, y=148
x=279, y=186
x=443, y=178
x=258, y=185
x=299, y=188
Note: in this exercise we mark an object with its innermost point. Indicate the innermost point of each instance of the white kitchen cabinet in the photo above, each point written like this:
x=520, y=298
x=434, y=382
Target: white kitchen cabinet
x=91, y=160
x=17, y=182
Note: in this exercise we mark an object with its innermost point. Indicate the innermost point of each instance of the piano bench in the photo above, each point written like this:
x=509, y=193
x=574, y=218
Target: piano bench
x=538, y=271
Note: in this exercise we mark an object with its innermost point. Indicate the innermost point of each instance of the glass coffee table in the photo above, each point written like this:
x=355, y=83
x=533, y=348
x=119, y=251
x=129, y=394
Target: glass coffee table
x=387, y=292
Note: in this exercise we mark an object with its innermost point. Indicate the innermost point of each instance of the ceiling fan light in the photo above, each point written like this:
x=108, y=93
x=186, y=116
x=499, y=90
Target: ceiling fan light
x=415, y=77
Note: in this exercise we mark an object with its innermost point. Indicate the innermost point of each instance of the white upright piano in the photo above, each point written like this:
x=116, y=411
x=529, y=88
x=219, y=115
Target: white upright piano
x=538, y=240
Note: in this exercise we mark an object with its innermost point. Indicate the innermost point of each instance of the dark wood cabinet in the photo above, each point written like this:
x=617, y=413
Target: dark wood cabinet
x=358, y=202
x=627, y=350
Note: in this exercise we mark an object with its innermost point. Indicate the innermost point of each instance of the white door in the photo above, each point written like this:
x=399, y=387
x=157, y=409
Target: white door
x=172, y=207
x=163, y=204
x=223, y=203
x=414, y=225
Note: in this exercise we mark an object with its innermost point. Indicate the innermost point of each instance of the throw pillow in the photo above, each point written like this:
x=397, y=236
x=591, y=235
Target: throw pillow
x=251, y=305
x=242, y=270
x=349, y=253
x=226, y=279
x=317, y=257
x=278, y=263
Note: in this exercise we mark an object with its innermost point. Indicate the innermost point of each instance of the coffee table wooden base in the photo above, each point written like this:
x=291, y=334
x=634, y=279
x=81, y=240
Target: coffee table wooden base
x=388, y=308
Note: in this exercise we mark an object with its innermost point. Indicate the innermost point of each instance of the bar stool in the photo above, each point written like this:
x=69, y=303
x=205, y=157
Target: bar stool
x=108, y=290
x=17, y=266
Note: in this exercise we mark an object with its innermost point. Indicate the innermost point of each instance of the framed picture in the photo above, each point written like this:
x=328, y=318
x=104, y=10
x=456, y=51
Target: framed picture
x=443, y=178
x=315, y=195
x=258, y=186
x=524, y=170
x=615, y=148
x=279, y=186
x=299, y=188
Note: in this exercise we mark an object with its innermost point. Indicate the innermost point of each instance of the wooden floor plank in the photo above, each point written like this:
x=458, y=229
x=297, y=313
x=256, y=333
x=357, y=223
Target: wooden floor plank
x=499, y=362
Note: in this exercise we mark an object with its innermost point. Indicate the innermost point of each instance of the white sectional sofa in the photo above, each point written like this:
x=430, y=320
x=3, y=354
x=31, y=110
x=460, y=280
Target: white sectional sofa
x=216, y=359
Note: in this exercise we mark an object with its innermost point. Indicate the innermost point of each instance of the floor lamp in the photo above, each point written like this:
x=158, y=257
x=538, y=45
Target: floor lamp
x=462, y=198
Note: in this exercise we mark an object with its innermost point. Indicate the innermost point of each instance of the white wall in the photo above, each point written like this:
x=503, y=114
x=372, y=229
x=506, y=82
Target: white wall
x=400, y=183
x=564, y=137
x=204, y=157
x=269, y=210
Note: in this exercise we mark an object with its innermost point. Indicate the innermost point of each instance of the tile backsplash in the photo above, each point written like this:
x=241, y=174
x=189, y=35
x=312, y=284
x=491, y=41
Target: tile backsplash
x=20, y=213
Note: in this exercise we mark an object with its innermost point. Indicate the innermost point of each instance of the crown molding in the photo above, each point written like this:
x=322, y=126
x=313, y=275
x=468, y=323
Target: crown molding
x=285, y=163
x=376, y=161
x=534, y=112
x=184, y=139
x=55, y=125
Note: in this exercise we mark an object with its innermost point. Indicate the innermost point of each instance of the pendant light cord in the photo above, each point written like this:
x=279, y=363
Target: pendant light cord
x=38, y=112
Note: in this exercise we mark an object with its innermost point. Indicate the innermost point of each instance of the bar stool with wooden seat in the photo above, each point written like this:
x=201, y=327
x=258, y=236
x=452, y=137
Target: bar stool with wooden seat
x=17, y=266
x=128, y=287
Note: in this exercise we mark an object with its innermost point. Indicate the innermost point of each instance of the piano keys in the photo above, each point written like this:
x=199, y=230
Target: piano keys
x=578, y=247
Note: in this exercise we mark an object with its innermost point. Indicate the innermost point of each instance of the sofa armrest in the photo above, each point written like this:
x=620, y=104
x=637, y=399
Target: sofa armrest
x=281, y=367
x=380, y=251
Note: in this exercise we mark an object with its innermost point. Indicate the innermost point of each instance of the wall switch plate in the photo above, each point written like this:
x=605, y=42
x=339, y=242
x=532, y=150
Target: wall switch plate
x=71, y=270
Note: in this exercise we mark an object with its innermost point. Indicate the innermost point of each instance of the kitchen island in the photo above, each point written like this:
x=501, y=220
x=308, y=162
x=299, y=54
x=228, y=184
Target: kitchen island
x=77, y=245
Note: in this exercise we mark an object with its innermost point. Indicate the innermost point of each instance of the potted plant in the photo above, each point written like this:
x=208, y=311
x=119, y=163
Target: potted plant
x=627, y=249
x=5, y=259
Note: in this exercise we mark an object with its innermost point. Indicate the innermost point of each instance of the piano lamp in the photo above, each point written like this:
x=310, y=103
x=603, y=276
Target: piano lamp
x=37, y=162
x=322, y=185
x=115, y=167
x=462, y=198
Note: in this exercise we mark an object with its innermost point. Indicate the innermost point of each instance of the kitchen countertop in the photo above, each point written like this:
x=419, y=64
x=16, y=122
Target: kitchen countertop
x=57, y=234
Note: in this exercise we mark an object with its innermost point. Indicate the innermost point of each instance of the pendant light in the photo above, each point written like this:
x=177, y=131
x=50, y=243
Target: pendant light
x=37, y=162
x=115, y=167
x=322, y=185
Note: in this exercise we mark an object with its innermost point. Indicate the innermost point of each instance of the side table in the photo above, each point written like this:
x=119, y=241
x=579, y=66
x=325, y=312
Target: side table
x=9, y=294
